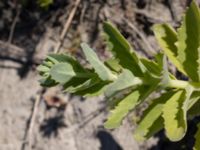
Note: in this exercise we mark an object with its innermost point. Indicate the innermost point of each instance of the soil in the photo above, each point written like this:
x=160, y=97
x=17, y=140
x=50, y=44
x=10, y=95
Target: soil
x=64, y=121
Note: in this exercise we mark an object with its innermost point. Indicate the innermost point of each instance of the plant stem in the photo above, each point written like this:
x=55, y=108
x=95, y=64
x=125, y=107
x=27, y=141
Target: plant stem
x=180, y=84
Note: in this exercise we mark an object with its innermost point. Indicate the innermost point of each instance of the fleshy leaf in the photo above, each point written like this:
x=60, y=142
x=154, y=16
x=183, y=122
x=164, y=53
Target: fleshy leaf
x=94, y=90
x=194, y=105
x=87, y=84
x=189, y=42
x=125, y=80
x=103, y=72
x=175, y=117
x=113, y=64
x=62, y=72
x=58, y=58
x=167, y=37
x=42, y=68
x=152, y=67
x=121, y=110
x=151, y=120
x=47, y=82
x=122, y=50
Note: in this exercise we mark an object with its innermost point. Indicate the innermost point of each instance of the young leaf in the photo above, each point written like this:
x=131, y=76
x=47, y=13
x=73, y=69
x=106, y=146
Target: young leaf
x=62, y=72
x=189, y=42
x=58, y=58
x=151, y=118
x=113, y=64
x=47, y=82
x=103, y=72
x=91, y=87
x=127, y=104
x=122, y=50
x=152, y=67
x=125, y=80
x=167, y=37
x=44, y=3
x=197, y=138
x=87, y=84
x=174, y=116
x=43, y=68
x=94, y=90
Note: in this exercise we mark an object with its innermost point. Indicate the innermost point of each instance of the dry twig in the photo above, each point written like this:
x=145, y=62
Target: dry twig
x=12, y=29
x=32, y=121
x=66, y=26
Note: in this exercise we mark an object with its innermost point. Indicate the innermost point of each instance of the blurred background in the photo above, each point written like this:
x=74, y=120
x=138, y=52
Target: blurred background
x=34, y=118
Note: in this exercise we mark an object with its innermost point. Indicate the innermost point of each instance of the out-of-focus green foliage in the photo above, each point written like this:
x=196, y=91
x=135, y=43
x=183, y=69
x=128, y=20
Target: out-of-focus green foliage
x=41, y=3
x=44, y=3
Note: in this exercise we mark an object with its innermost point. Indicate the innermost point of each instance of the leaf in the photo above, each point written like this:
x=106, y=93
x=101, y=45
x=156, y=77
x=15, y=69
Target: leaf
x=113, y=64
x=44, y=3
x=58, y=58
x=125, y=80
x=174, y=116
x=90, y=87
x=62, y=72
x=122, y=50
x=103, y=72
x=151, y=66
x=189, y=42
x=151, y=120
x=197, y=138
x=42, y=68
x=47, y=82
x=117, y=115
x=94, y=90
x=87, y=84
x=165, y=73
x=167, y=37
x=73, y=83
x=194, y=105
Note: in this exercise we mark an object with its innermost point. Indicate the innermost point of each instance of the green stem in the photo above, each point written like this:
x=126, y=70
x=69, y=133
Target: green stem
x=180, y=84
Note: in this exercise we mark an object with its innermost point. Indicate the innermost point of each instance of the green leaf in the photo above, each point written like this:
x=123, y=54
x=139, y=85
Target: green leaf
x=189, y=42
x=44, y=3
x=62, y=72
x=125, y=80
x=103, y=72
x=167, y=37
x=113, y=64
x=197, y=138
x=122, y=50
x=73, y=83
x=47, y=82
x=165, y=78
x=42, y=68
x=94, y=90
x=117, y=115
x=151, y=120
x=91, y=84
x=194, y=105
x=152, y=66
x=58, y=58
x=175, y=117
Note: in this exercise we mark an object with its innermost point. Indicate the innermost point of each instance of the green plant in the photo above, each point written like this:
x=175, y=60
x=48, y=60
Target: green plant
x=41, y=3
x=127, y=79
x=44, y=3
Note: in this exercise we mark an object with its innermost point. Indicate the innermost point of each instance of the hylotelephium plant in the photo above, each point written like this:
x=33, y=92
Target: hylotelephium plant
x=127, y=79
